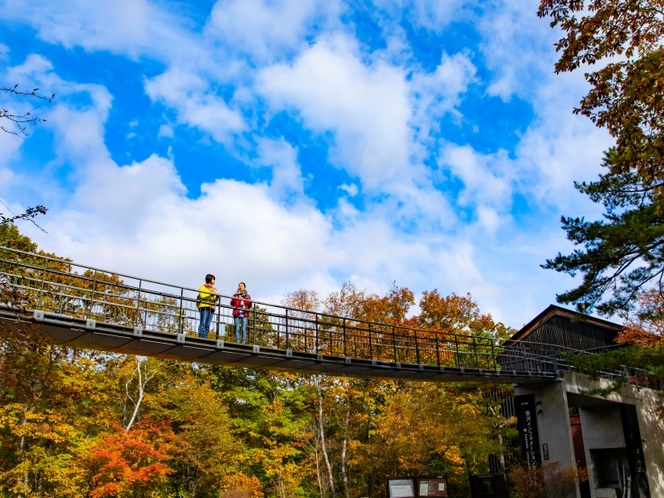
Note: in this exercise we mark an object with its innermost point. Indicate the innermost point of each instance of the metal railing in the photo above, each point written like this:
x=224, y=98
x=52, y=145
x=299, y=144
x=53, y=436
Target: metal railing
x=64, y=287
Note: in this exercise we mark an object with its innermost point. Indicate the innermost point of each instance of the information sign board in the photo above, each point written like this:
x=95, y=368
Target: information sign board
x=401, y=488
x=431, y=486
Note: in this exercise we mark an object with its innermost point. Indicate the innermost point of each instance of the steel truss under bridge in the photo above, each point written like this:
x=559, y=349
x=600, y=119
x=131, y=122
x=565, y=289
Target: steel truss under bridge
x=85, y=307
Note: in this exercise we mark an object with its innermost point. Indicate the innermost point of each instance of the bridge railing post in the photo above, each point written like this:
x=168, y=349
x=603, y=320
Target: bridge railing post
x=91, y=304
x=475, y=355
x=41, y=292
x=394, y=345
x=493, y=356
x=316, y=338
x=417, y=348
x=218, y=321
x=370, y=344
x=180, y=316
x=278, y=333
x=457, y=358
x=287, y=330
x=138, y=303
x=344, y=337
x=437, y=349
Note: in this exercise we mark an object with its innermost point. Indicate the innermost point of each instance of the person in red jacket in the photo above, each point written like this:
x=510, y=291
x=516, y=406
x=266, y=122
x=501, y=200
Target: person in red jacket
x=241, y=303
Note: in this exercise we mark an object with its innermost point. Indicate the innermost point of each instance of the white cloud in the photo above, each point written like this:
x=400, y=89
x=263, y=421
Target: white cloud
x=196, y=103
x=267, y=29
x=10, y=145
x=558, y=149
x=436, y=14
x=286, y=174
x=367, y=108
x=351, y=189
x=483, y=181
x=518, y=47
x=439, y=92
x=131, y=27
x=166, y=131
x=433, y=15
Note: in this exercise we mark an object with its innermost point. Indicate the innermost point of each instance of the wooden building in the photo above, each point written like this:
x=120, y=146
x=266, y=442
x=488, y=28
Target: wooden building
x=569, y=329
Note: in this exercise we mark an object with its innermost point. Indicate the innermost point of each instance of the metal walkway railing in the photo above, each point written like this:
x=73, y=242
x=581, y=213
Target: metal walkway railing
x=82, y=292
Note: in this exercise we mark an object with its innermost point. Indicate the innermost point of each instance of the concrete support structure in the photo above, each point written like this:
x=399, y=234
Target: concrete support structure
x=555, y=432
x=622, y=435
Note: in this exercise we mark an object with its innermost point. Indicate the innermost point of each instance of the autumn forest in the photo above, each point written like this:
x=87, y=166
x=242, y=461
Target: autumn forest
x=84, y=423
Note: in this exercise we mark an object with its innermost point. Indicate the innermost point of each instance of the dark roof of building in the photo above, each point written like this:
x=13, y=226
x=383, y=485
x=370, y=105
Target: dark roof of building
x=554, y=310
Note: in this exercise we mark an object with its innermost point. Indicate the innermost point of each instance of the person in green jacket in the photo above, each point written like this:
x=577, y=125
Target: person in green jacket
x=207, y=296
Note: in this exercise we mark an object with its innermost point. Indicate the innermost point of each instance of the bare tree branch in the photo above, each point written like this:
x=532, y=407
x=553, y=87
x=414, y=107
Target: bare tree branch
x=29, y=215
x=22, y=120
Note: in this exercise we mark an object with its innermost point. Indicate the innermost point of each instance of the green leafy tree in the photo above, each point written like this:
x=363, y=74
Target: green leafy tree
x=620, y=255
x=270, y=412
x=204, y=450
x=623, y=254
x=625, y=95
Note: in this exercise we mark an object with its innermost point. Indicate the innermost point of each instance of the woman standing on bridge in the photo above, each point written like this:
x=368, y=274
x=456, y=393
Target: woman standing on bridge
x=241, y=304
x=205, y=302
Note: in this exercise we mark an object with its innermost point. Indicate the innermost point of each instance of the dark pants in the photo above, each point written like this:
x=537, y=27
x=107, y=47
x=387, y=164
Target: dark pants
x=206, y=320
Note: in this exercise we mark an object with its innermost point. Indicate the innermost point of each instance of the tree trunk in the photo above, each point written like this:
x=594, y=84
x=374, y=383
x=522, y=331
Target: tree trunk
x=21, y=446
x=319, y=471
x=138, y=402
x=344, y=470
x=321, y=433
x=280, y=486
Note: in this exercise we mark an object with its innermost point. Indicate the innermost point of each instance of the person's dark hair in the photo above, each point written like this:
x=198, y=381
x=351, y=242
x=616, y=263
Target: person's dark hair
x=209, y=278
x=242, y=283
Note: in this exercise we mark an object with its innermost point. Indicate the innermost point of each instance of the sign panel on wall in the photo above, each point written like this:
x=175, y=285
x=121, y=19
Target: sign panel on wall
x=527, y=425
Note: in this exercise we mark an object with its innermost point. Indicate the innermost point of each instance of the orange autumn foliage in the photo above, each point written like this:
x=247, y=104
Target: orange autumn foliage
x=241, y=486
x=130, y=461
x=645, y=329
x=637, y=336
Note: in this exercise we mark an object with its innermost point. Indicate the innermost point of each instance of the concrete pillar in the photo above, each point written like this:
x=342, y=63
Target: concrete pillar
x=648, y=410
x=553, y=425
x=602, y=430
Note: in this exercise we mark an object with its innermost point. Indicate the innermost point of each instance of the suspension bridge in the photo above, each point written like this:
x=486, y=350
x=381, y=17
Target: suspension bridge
x=86, y=307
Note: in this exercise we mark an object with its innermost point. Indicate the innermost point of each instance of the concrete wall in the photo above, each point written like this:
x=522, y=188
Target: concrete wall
x=651, y=426
x=553, y=422
x=602, y=427
x=652, y=438
x=601, y=423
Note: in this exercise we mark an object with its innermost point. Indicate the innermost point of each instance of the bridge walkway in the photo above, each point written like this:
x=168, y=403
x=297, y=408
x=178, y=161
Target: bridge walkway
x=86, y=307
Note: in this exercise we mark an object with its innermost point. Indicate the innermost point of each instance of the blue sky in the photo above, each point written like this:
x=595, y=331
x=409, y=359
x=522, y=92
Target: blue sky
x=294, y=144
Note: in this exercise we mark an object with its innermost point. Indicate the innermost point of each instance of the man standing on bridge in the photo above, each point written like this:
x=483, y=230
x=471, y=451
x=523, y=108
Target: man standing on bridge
x=206, y=298
x=241, y=304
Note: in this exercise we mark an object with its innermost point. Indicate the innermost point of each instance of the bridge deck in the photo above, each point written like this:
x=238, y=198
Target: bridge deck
x=86, y=307
x=80, y=333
